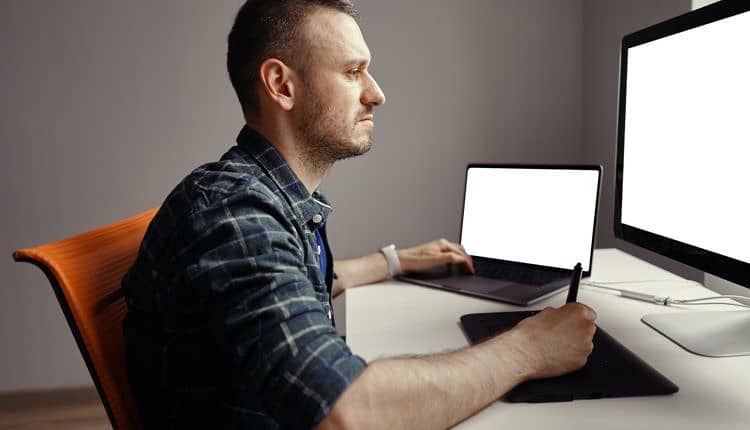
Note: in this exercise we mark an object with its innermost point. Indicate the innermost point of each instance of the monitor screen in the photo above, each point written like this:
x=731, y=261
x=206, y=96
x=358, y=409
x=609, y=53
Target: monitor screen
x=684, y=140
x=540, y=216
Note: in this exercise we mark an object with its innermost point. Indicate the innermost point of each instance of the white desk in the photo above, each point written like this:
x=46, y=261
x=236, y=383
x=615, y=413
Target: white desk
x=394, y=318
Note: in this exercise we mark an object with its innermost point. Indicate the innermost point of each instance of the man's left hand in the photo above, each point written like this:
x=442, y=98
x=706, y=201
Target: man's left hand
x=433, y=254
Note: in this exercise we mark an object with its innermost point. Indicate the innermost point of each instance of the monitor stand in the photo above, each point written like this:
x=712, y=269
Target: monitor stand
x=708, y=333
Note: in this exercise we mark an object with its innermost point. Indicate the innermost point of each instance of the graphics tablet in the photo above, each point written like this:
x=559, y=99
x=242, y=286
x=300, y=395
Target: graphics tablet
x=611, y=371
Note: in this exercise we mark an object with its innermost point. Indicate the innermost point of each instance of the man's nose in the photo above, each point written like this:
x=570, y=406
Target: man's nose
x=373, y=95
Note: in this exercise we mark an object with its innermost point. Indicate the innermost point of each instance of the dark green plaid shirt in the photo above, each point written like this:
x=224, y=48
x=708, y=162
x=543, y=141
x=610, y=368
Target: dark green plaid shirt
x=229, y=317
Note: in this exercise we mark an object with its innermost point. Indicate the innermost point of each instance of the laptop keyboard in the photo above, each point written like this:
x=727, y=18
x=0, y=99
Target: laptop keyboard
x=511, y=272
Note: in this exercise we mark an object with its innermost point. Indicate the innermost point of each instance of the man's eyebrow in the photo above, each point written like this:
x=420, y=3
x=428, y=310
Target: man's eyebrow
x=357, y=62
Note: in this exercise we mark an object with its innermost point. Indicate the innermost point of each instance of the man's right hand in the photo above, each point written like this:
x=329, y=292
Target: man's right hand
x=556, y=341
x=440, y=390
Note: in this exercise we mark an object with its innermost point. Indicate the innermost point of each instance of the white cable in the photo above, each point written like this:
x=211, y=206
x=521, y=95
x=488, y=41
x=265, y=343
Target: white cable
x=677, y=302
x=723, y=297
x=647, y=282
x=667, y=301
x=707, y=301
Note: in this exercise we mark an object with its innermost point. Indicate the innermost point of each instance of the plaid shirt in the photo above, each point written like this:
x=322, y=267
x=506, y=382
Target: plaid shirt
x=229, y=316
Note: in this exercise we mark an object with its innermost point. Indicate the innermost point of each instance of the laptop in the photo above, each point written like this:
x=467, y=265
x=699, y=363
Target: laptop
x=612, y=370
x=525, y=227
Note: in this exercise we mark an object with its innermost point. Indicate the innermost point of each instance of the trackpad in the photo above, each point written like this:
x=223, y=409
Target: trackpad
x=475, y=283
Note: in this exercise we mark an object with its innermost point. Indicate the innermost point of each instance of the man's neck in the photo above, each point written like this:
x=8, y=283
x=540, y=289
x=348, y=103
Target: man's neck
x=287, y=143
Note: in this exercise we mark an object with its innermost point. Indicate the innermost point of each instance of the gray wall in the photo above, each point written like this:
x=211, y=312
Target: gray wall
x=605, y=22
x=482, y=80
x=106, y=105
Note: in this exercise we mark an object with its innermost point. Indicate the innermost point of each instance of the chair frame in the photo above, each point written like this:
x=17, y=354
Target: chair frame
x=125, y=415
x=76, y=333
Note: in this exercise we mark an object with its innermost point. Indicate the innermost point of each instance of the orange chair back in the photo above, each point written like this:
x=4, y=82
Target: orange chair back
x=85, y=272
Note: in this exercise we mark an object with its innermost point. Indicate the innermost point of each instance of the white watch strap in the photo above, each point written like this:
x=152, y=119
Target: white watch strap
x=394, y=265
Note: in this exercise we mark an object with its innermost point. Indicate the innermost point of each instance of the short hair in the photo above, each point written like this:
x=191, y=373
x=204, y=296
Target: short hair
x=265, y=29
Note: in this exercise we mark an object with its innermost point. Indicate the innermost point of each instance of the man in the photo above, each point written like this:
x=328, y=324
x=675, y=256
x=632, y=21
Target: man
x=229, y=322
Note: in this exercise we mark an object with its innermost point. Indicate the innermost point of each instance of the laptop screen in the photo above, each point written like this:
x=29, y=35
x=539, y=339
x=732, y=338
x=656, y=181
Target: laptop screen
x=543, y=216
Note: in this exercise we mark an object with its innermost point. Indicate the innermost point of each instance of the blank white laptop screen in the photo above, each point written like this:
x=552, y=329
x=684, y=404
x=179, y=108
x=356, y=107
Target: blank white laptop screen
x=537, y=216
x=687, y=137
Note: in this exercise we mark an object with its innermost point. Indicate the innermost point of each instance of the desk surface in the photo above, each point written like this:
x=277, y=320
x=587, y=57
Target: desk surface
x=395, y=318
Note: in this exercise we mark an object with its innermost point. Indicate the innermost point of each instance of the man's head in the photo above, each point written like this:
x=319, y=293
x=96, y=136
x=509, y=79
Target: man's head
x=306, y=61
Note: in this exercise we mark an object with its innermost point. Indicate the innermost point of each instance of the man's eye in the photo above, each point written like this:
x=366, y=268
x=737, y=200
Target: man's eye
x=355, y=72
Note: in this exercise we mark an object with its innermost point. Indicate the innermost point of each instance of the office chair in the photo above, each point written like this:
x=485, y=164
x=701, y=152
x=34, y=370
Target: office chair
x=85, y=273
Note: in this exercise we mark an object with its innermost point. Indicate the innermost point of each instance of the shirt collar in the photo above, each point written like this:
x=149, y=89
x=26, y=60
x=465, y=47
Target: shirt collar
x=305, y=205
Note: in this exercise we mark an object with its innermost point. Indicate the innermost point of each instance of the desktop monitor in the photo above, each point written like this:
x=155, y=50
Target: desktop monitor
x=683, y=148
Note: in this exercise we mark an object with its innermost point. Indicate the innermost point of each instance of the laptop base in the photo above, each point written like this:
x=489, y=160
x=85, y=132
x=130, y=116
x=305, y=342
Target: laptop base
x=456, y=280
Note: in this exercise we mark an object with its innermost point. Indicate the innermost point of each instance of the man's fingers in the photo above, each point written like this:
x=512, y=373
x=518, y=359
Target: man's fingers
x=446, y=245
x=439, y=251
x=590, y=313
x=454, y=258
x=584, y=311
x=435, y=259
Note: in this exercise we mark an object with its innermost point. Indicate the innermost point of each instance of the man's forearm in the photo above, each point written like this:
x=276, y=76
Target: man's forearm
x=359, y=271
x=374, y=268
x=430, y=392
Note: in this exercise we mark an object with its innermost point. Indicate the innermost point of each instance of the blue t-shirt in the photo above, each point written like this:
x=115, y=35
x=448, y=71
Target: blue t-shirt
x=322, y=252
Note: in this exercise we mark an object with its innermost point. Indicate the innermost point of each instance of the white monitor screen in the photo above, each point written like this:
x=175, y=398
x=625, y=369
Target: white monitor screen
x=687, y=137
x=536, y=216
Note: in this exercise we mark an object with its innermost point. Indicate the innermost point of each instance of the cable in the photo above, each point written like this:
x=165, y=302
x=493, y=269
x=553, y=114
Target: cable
x=707, y=301
x=667, y=301
x=677, y=302
x=686, y=281
x=723, y=297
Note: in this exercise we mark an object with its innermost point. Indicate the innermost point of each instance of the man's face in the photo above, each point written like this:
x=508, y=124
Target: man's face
x=338, y=94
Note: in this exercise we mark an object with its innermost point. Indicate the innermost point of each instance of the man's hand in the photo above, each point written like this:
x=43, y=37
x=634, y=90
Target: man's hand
x=441, y=390
x=556, y=341
x=373, y=268
x=433, y=254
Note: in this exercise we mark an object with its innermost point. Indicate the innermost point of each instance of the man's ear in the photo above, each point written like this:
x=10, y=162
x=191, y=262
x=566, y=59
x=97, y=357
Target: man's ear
x=276, y=82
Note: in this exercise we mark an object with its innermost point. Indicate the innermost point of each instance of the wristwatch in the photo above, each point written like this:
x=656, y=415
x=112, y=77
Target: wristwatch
x=394, y=265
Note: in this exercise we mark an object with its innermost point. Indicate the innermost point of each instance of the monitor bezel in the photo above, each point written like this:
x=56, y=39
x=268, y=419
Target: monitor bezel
x=592, y=167
x=717, y=264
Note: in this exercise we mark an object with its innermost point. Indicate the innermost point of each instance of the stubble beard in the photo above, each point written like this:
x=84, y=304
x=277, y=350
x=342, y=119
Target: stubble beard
x=324, y=140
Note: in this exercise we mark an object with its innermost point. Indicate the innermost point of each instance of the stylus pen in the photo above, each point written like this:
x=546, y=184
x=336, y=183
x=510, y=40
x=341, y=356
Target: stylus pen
x=575, y=280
